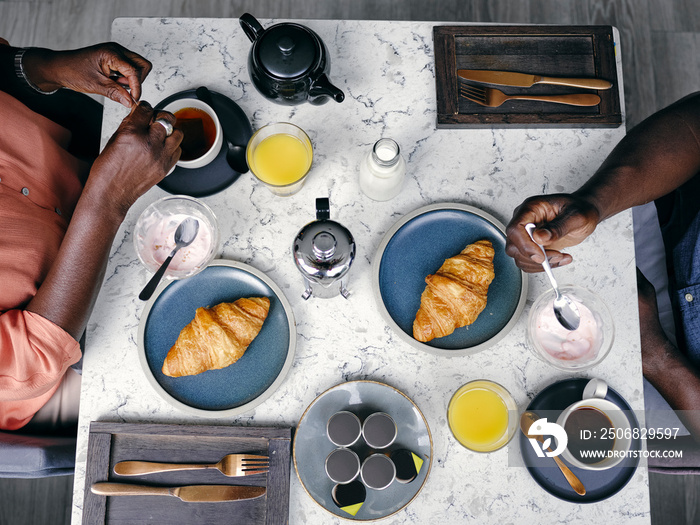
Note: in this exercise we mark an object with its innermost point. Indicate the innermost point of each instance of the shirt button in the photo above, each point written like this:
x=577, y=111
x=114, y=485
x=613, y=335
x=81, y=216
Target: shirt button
x=25, y=191
x=58, y=211
x=689, y=297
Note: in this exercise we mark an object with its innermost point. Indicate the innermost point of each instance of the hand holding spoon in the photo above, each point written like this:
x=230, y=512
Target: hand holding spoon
x=526, y=421
x=184, y=235
x=565, y=310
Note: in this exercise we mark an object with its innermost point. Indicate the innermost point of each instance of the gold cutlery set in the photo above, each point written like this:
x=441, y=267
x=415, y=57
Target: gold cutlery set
x=231, y=465
x=492, y=97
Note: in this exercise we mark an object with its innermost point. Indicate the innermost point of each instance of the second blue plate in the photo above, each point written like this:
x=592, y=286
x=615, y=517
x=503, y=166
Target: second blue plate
x=416, y=247
x=250, y=380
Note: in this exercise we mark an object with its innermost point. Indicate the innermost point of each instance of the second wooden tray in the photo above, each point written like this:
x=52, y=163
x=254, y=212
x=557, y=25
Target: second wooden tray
x=558, y=51
x=110, y=443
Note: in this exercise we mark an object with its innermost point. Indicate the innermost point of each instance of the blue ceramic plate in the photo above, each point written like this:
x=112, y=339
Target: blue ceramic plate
x=312, y=446
x=599, y=484
x=247, y=382
x=416, y=247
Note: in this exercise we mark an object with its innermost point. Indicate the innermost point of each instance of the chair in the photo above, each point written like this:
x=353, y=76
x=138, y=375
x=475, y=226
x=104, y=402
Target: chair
x=688, y=463
x=31, y=456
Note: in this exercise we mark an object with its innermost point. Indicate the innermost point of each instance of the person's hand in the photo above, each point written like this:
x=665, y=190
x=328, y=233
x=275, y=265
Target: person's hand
x=562, y=220
x=137, y=156
x=104, y=69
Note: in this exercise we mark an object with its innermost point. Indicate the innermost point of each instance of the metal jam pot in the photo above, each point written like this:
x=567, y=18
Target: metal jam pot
x=289, y=63
x=323, y=252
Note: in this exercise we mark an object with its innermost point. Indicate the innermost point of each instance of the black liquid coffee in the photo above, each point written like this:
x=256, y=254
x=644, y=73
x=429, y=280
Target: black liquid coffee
x=590, y=436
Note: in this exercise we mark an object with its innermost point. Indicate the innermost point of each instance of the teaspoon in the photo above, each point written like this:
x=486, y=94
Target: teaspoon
x=526, y=421
x=565, y=310
x=184, y=235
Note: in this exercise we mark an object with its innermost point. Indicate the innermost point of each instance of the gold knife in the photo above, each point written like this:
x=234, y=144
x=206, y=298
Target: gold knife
x=187, y=493
x=507, y=78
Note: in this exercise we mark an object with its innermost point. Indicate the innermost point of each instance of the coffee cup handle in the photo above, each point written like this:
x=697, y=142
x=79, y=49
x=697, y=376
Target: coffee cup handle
x=595, y=388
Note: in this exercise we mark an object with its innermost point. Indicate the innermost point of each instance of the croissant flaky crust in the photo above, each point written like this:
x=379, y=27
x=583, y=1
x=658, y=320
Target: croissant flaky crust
x=456, y=294
x=217, y=337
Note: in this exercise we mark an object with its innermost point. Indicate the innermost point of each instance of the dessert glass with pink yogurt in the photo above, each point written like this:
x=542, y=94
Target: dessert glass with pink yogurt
x=154, y=236
x=579, y=349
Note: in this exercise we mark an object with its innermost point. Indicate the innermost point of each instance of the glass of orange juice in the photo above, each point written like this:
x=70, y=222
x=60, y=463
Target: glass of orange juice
x=280, y=156
x=482, y=416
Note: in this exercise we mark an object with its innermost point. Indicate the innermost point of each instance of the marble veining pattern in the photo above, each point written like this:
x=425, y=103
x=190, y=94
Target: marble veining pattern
x=386, y=70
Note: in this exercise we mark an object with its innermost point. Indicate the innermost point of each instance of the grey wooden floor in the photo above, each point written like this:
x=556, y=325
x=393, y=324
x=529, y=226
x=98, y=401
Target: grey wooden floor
x=660, y=45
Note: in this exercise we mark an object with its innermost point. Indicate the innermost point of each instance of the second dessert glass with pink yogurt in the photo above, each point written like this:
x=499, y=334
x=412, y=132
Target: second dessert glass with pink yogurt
x=571, y=350
x=154, y=236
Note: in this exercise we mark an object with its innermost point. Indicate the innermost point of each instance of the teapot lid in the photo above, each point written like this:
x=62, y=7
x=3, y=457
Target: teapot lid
x=323, y=249
x=288, y=50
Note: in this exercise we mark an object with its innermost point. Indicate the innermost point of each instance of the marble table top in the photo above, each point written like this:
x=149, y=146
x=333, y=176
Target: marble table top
x=387, y=72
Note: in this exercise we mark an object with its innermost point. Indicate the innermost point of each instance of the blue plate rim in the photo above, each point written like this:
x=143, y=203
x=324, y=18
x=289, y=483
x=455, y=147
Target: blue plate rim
x=341, y=385
x=376, y=264
x=241, y=408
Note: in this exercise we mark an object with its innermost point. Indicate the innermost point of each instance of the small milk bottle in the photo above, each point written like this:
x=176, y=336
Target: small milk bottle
x=383, y=171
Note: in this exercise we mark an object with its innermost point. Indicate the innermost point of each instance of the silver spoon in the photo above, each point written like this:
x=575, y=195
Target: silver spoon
x=565, y=310
x=184, y=235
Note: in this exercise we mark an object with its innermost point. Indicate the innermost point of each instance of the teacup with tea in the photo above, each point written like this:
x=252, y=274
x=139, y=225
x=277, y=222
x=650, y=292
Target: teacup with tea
x=599, y=432
x=201, y=129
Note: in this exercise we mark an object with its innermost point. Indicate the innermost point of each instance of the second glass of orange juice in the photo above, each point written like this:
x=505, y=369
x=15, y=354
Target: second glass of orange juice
x=482, y=416
x=280, y=156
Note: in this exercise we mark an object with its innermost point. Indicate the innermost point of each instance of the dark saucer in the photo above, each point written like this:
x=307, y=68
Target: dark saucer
x=217, y=175
x=599, y=484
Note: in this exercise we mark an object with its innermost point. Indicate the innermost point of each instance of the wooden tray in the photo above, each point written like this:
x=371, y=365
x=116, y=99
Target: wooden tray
x=110, y=443
x=564, y=51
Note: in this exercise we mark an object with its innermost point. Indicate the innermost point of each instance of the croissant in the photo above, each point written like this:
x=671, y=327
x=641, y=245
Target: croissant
x=456, y=294
x=217, y=337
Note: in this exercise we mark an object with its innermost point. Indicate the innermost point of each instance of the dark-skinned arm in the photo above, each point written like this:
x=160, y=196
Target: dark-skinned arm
x=653, y=159
x=136, y=157
x=663, y=365
x=103, y=69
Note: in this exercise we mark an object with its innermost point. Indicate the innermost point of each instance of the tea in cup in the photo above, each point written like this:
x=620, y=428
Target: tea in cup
x=482, y=416
x=342, y=465
x=202, y=134
x=598, y=431
x=280, y=156
x=379, y=430
x=378, y=472
x=344, y=429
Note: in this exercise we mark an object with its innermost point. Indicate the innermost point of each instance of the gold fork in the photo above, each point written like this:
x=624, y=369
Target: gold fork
x=231, y=465
x=493, y=98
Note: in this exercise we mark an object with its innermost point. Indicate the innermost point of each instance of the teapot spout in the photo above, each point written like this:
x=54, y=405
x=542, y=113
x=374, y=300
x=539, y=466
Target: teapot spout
x=321, y=89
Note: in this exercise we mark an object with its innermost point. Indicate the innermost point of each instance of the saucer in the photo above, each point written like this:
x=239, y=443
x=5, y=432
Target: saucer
x=217, y=175
x=599, y=484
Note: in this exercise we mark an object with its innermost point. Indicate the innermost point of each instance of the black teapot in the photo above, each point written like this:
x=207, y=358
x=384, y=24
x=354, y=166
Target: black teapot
x=289, y=64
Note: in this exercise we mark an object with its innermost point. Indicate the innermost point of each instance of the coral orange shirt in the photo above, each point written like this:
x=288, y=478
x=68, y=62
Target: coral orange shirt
x=39, y=188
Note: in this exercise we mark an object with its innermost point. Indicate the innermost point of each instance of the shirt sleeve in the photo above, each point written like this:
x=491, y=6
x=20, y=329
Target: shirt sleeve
x=34, y=355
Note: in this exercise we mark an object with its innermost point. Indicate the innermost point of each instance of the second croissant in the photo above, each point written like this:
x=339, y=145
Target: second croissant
x=456, y=294
x=217, y=337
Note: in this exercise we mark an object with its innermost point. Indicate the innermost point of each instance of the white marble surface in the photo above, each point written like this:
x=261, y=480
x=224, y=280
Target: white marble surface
x=386, y=70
